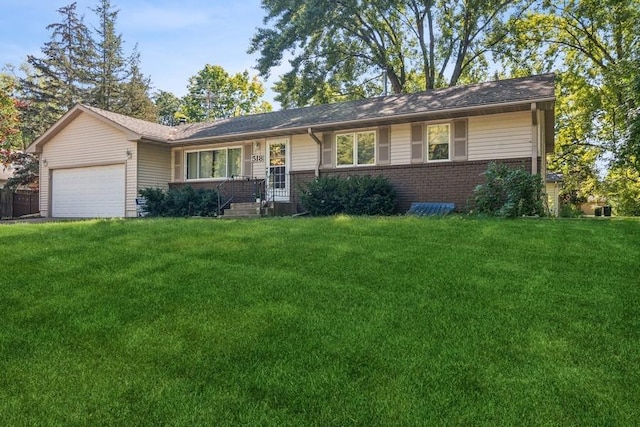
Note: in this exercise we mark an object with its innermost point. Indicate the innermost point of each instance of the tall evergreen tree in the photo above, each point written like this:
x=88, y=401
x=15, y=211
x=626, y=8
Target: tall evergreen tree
x=62, y=76
x=134, y=97
x=35, y=116
x=110, y=68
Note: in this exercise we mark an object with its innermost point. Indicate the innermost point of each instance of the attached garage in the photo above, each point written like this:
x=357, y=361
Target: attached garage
x=93, y=163
x=91, y=192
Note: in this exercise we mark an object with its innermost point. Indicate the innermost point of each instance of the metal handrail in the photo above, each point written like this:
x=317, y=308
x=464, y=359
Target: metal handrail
x=233, y=179
x=219, y=190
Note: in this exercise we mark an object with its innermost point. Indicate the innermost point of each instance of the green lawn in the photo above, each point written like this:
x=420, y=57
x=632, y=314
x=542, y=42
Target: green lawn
x=336, y=321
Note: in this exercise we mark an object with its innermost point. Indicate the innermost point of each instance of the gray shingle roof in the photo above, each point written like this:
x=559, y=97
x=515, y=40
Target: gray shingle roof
x=144, y=128
x=392, y=107
x=522, y=90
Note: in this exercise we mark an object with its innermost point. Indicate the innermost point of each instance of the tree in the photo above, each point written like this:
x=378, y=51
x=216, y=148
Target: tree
x=11, y=143
x=110, y=65
x=118, y=82
x=80, y=66
x=623, y=179
x=629, y=150
x=36, y=116
x=594, y=45
x=61, y=78
x=167, y=105
x=9, y=115
x=623, y=189
x=134, y=97
x=25, y=170
x=339, y=50
x=214, y=94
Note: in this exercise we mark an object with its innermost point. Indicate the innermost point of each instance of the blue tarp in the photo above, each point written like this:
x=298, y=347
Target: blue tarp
x=430, y=208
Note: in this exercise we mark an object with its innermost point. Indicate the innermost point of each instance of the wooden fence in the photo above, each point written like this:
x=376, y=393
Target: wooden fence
x=14, y=204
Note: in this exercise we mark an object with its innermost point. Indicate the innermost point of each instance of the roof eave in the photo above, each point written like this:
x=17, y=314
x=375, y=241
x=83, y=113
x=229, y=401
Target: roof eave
x=36, y=146
x=543, y=103
x=151, y=140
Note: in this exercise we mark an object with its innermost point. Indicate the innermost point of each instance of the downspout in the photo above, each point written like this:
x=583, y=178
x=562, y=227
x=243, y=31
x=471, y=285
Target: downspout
x=542, y=147
x=534, y=138
x=317, y=140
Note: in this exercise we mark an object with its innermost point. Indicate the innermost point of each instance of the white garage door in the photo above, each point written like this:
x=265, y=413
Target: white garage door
x=93, y=192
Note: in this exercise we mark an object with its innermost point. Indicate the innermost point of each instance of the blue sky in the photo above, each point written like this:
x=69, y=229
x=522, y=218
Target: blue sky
x=176, y=38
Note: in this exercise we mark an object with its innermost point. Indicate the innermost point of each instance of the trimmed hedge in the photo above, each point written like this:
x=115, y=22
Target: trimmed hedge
x=180, y=202
x=354, y=195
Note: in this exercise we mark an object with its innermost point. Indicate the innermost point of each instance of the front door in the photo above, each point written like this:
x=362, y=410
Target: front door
x=278, y=169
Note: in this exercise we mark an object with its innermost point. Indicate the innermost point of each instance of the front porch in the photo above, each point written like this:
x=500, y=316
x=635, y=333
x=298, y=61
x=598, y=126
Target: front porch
x=243, y=197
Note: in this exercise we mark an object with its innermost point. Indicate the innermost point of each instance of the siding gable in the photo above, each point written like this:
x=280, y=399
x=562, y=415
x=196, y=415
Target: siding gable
x=499, y=136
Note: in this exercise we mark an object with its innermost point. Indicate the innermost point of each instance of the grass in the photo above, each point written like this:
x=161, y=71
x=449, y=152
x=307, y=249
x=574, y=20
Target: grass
x=335, y=321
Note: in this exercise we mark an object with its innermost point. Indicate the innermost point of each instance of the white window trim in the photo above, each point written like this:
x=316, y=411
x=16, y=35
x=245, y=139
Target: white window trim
x=426, y=142
x=355, y=148
x=186, y=169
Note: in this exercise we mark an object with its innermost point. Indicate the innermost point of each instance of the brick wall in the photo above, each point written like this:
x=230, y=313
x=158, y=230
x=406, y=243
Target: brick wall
x=242, y=190
x=451, y=182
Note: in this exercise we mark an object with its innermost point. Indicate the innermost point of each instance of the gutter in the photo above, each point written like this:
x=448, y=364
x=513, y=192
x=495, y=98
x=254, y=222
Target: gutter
x=152, y=140
x=351, y=123
x=317, y=140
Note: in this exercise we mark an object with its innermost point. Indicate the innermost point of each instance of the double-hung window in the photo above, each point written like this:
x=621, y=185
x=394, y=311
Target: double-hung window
x=211, y=164
x=355, y=149
x=438, y=142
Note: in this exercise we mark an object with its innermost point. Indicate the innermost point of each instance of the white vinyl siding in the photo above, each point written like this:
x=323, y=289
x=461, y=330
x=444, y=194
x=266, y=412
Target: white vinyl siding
x=500, y=136
x=258, y=165
x=553, y=197
x=154, y=166
x=87, y=141
x=304, y=153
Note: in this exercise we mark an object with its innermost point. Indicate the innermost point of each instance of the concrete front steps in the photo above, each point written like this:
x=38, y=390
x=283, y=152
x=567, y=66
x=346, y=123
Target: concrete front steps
x=244, y=210
x=257, y=210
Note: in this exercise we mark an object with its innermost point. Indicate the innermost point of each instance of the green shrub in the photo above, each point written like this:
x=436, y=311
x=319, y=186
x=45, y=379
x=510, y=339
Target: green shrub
x=355, y=195
x=569, y=210
x=154, y=198
x=367, y=195
x=180, y=202
x=323, y=196
x=509, y=192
